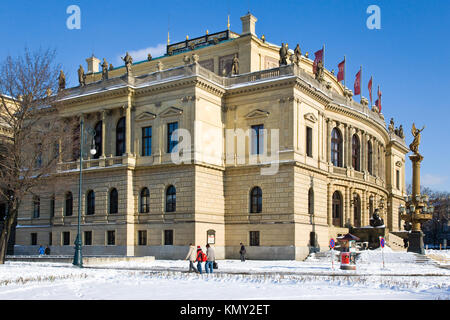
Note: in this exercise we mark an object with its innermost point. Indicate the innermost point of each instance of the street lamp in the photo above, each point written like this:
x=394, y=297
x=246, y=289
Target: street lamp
x=78, y=259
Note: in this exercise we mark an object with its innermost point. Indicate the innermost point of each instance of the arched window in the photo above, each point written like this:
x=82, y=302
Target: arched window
x=256, y=200
x=36, y=207
x=311, y=201
x=171, y=199
x=336, y=148
x=120, y=137
x=144, y=204
x=356, y=210
x=113, y=201
x=356, y=153
x=90, y=203
x=369, y=157
x=337, y=209
x=68, y=209
x=98, y=139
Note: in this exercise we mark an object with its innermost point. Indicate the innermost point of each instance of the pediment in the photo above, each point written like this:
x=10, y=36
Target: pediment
x=171, y=111
x=398, y=164
x=145, y=116
x=258, y=113
x=310, y=117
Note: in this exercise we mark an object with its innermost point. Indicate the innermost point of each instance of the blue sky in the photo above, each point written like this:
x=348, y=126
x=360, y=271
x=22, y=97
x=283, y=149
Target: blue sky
x=409, y=56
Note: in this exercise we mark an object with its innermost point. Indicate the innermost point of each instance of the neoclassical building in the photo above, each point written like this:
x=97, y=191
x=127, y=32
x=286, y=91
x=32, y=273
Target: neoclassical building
x=274, y=158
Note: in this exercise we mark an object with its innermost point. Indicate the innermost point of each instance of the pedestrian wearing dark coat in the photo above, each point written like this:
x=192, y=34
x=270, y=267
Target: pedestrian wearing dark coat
x=242, y=252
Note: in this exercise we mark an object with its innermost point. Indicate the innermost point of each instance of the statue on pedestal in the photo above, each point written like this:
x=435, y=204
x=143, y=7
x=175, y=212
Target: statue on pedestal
x=400, y=132
x=297, y=54
x=319, y=71
x=62, y=81
x=128, y=62
x=283, y=54
x=81, y=76
x=235, y=66
x=391, y=126
x=414, y=146
x=104, y=70
x=149, y=57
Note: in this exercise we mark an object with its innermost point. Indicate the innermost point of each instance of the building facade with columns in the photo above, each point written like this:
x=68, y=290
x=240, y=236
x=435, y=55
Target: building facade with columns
x=266, y=155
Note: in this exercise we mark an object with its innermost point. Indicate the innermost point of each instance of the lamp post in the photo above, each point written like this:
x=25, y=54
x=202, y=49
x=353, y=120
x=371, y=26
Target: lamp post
x=78, y=259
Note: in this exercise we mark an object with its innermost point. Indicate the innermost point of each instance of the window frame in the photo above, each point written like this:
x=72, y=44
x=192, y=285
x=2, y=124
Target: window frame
x=171, y=199
x=336, y=147
x=90, y=203
x=113, y=207
x=309, y=141
x=146, y=150
x=121, y=137
x=172, y=145
x=256, y=198
x=257, y=139
x=254, y=238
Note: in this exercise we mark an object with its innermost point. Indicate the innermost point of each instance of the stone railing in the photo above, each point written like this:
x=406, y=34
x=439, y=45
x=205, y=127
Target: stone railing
x=91, y=163
x=339, y=170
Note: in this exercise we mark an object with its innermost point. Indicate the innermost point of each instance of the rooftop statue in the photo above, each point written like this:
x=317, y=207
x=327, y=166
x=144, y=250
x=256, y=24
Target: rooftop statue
x=128, y=62
x=111, y=67
x=149, y=57
x=400, y=132
x=319, y=71
x=283, y=54
x=81, y=76
x=62, y=81
x=235, y=66
x=297, y=54
x=414, y=146
x=104, y=70
x=391, y=126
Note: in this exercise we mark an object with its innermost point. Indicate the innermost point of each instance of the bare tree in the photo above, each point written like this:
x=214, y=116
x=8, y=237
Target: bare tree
x=33, y=135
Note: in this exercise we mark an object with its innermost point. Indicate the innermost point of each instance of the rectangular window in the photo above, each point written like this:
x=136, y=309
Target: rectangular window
x=34, y=239
x=88, y=238
x=66, y=238
x=257, y=137
x=397, y=179
x=168, y=237
x=254, y=238
x=50, y=239
x=172, y=138
x=111, y=238
x=142, y=237
x=146, y=141
x=309, y=141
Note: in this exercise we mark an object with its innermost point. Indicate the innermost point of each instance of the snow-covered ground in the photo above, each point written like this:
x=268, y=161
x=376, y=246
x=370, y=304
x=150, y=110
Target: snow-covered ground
x=401, y=278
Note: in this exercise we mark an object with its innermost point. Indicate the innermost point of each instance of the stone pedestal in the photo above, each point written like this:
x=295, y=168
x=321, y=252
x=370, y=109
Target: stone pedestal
x=416, y=242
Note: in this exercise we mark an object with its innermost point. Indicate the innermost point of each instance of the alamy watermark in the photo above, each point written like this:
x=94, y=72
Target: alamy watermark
x=74, y=20
x=241, y=147
x=374, y=20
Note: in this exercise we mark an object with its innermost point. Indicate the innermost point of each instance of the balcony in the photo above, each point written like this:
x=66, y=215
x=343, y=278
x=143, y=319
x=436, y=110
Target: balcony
x=107, y=162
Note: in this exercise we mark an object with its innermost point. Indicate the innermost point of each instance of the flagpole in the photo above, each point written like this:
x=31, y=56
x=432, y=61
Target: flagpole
x=360, y=83
x=371, y=78
x=344, y=71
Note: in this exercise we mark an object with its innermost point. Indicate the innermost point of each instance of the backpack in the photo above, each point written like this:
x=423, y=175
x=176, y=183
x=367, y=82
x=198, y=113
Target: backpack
x=204, y=257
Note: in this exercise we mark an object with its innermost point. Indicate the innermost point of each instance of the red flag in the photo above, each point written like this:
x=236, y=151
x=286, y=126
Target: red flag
x=370, y=89
x=318, y=57
x=341, y=74
x=378, y=102
x=357, y=85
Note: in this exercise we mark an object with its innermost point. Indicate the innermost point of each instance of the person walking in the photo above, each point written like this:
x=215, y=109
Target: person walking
x=191, y=256
x=201, y=257
x=211, y=257
x=47, y=251
x=41, y=250
x=242, y=252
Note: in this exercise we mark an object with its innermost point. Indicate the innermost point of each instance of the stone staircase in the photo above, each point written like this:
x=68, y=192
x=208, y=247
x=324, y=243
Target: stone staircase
x=423, y=259
x=395, y=242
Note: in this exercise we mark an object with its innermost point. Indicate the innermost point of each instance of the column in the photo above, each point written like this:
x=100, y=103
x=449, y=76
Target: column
x=103, y=133
x=347, y=206
x=345, y=147
x=350, y=146
x=128, y=127
x=363, y=151
x=329, y=205
x=328, y=140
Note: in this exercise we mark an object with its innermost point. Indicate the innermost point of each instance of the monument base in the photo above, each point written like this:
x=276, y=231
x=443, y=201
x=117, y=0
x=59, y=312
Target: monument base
x=415, y=242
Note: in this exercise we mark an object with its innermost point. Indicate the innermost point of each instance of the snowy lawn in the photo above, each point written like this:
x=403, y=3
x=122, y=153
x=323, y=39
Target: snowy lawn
x=402, y=278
